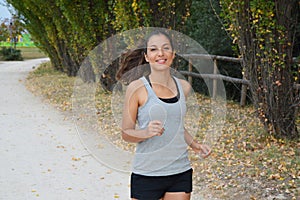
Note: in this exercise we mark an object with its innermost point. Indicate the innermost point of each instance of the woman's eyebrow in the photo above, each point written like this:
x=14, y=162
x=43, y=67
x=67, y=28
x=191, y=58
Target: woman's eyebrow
x=165, y=44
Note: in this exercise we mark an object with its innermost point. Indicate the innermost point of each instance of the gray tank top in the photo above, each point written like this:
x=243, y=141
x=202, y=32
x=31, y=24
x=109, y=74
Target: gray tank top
x=166, y=154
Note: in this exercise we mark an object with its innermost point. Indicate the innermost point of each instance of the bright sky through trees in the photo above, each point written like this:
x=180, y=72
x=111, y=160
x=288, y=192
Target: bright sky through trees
x=4, y=13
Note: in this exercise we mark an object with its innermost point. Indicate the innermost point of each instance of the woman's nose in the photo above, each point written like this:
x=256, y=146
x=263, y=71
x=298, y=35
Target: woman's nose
x=160, y=51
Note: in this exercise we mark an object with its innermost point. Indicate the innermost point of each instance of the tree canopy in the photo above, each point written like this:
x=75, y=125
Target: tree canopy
x=67, y=30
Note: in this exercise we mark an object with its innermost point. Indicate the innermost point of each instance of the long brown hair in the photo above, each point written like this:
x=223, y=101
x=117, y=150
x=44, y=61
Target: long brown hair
x=135, y=58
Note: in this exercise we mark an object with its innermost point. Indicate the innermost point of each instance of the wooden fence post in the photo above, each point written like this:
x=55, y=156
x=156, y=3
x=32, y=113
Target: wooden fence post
x=190, y=78
x=215, y=81
x=215, y=76
x=243, y=93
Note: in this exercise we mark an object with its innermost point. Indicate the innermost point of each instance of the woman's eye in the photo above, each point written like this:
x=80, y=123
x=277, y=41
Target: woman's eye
x=152, y=49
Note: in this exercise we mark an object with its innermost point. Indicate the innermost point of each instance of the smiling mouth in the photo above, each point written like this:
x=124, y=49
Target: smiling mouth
x=161, y=61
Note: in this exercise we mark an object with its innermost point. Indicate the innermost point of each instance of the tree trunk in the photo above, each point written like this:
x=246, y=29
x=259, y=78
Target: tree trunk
x=269, y=65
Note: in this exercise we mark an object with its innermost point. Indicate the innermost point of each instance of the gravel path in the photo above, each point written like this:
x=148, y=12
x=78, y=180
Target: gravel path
x=41, y=156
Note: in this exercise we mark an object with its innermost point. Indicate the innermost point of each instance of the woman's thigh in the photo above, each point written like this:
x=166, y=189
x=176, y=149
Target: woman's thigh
x=177, y=196
x=138, y=199
x=177, y=186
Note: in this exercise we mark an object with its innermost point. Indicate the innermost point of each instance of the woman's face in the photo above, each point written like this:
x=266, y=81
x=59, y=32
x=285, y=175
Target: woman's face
x=159, y=51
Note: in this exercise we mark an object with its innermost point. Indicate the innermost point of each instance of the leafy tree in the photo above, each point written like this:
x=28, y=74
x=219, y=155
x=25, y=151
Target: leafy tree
x=265, y=33
x=41, y=27
x=4, y=32
x=68, y=30
x=206, y=27
x=131, y=14
x=11, y=29
x=65, y=30
x=15, y=29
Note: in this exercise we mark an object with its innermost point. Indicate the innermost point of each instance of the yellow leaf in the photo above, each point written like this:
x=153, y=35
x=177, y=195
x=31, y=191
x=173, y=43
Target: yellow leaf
x=275, y=176
x=76, y=159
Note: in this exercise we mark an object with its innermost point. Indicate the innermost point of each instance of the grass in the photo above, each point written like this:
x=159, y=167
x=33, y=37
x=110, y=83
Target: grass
x=31, y=53
x=246, y=163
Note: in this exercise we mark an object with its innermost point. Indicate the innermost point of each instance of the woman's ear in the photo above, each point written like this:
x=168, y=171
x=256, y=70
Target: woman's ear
x=174, y=54
x=145, y=55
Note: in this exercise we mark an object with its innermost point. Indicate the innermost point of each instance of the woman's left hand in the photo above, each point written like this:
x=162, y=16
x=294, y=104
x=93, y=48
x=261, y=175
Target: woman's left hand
x=202, y=149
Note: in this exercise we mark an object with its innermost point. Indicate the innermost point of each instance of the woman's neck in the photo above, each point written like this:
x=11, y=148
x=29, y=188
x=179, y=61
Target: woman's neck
x=161, y=77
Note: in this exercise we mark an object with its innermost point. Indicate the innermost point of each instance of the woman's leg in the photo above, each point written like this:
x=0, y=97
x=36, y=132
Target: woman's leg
x=177, y=196
x=137, y=199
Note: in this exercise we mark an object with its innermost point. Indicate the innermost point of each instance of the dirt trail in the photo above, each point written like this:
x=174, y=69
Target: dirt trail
x=41, y=156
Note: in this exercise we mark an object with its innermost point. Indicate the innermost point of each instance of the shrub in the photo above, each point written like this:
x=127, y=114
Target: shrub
x=8, y=54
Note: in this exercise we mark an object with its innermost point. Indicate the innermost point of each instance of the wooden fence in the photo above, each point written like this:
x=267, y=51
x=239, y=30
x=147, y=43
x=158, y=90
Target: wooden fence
x=216, y=76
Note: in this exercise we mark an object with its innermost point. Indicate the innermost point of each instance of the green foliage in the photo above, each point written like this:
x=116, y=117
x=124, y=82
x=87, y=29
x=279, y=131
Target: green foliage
x=265, y=33
x=9, y=54
x=259, y=19
x=127, y=14
x=31, y=53
x=131, y=14
x=4, y=33
x=205, y=26
x=68, y=30
x=10, y=29
x=44, y=69
x=65, y=30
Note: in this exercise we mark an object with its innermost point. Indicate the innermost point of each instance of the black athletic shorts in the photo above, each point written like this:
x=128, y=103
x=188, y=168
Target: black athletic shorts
x=154, y=187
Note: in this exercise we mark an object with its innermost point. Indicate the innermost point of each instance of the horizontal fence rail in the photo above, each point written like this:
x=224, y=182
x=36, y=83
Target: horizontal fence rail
x=215, y=76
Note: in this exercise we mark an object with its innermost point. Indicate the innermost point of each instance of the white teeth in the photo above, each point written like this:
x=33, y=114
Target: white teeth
x=161, y=61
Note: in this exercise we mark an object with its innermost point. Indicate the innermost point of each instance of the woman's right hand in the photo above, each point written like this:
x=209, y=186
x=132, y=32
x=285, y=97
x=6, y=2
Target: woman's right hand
x=155, y=128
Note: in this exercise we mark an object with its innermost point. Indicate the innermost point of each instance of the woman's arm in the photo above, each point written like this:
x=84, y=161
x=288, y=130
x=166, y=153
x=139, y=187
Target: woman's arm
x=133, y=96
x=201, y=149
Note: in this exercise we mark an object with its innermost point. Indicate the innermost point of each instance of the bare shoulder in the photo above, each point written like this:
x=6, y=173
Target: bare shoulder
x=136, y=92
x=185, y=86
x=135, y=87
